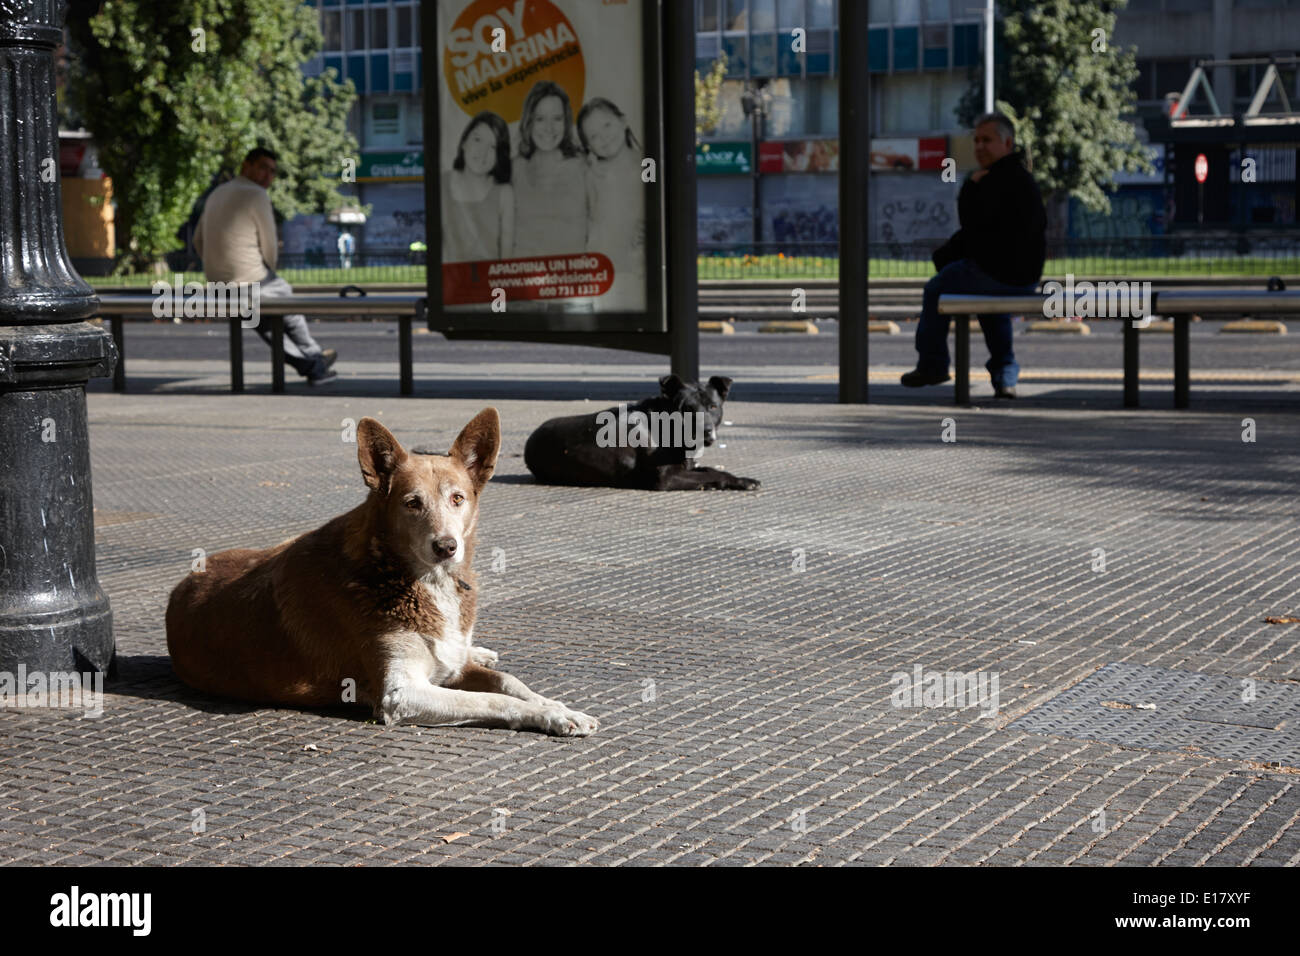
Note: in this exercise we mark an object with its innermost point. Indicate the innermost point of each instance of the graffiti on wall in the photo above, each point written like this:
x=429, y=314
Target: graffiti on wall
x=792, y=224
x=309, y=234
x=396, y=229
x=912, y=209
x=1133, y=213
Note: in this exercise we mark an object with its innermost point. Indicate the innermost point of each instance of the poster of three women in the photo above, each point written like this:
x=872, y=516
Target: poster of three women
x=555, y=172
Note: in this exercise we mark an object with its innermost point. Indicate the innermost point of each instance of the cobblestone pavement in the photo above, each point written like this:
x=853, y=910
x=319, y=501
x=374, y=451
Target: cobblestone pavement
x=745, y=653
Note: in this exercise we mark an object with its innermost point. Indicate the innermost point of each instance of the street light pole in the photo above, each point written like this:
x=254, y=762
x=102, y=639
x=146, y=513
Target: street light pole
x=753, y=101
x=754, y=173
x=54, y=618
x=988, y=57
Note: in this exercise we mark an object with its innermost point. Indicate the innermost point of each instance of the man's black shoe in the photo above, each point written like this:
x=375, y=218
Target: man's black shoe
x=1004, y=391
x=916, y=378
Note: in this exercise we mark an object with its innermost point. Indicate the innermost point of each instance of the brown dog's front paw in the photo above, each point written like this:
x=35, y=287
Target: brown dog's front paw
x=483, y=657
x=559, y=721
x=746, y=484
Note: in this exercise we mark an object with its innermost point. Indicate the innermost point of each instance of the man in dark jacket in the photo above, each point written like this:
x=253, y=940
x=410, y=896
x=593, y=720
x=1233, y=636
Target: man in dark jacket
x=999, y=250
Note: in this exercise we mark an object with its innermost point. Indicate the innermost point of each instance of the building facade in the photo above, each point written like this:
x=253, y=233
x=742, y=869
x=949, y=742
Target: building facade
x=769, y=170
x=377, y=46
x=1171, y=37
x=780, y=105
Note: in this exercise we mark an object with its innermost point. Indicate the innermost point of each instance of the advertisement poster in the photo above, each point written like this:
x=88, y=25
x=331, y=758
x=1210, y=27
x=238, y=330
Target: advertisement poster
x=908, y=154
x=799, y=156
x=541, y=163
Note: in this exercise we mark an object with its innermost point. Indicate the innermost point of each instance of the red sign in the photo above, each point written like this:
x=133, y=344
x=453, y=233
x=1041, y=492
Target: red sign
x=931, y=151
x=771, y=157
x=1202, y=167
x=546, y=277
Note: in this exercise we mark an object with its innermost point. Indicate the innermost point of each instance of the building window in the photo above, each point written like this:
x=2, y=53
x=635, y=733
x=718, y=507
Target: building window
x=706, y=51
x=819, y=52
x=404, y=33
x=802, y=108
x=907, y=11
x=403, y=71
x=789, y=14
x=356, y=30
x=906, y=41
x=379, y=73
x=385, y=119
x=379, y=28
x=737, y=19
x=737, y=50
x=331, y=27
x=935, y=40
x=878, y=50
x=707, y=11
x=763, y=15
x=788, y=63
x=965, y=44
x=821, y=13
x=762, y=55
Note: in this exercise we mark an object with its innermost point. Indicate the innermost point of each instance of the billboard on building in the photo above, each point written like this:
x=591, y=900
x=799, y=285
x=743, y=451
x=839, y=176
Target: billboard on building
x=799, y=156
x=723, y=159
x=904, y=155
x=544, y=167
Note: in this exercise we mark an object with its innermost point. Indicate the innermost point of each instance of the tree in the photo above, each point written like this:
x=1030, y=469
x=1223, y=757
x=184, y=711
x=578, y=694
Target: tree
x=176, y=90
x=1068, y=89
x=708, y=113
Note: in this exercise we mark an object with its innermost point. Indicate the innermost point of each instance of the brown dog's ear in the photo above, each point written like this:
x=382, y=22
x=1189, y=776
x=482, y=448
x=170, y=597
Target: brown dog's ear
x=378, y=453
x=477, y=445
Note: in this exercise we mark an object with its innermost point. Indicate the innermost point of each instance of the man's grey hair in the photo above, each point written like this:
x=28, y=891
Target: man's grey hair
x=1005, y=128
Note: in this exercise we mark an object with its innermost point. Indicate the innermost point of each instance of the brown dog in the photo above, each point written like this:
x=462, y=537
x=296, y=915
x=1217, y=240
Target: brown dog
x=375, y=607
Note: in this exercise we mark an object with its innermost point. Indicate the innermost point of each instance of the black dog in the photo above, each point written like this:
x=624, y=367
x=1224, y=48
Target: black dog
x=644, y=445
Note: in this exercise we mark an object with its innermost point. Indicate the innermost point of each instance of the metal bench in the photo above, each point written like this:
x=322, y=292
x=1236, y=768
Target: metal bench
x=1180, y=305
x=404, y=306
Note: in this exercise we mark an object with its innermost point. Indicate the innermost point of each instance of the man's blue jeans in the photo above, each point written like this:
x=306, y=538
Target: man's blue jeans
x=965, y=277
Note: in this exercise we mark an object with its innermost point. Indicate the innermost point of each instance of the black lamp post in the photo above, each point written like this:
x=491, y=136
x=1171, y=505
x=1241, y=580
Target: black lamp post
x=53, y=614
x=754, y=102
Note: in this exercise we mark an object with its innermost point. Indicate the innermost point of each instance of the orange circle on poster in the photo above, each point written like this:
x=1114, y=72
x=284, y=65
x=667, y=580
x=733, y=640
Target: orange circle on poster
x=497, y=49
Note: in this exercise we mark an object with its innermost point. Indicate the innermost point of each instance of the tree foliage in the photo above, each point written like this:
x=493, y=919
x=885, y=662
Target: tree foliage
x=1068, y=88
x=708, y=112
x=176, y=90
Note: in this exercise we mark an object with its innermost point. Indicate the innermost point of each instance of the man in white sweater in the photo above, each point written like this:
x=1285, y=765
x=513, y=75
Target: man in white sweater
x=236, y=239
